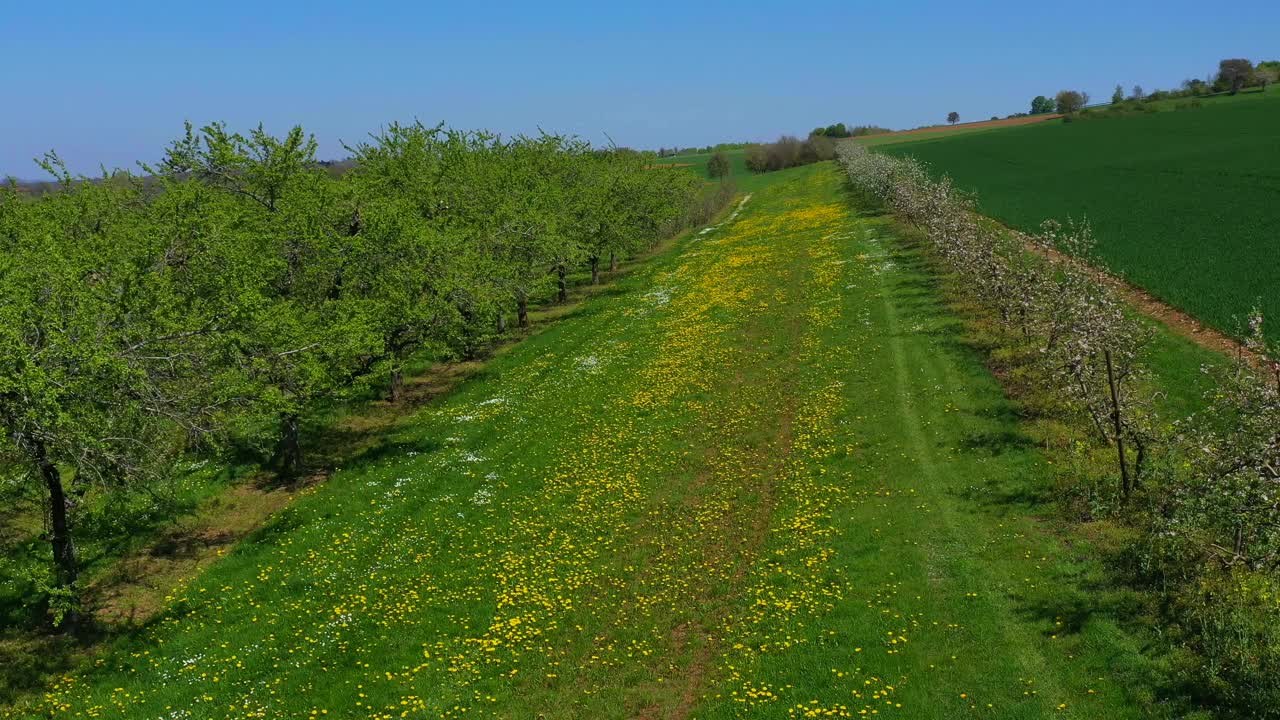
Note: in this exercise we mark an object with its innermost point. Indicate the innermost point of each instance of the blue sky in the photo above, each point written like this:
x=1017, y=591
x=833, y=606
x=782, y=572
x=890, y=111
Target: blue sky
x=112, y=83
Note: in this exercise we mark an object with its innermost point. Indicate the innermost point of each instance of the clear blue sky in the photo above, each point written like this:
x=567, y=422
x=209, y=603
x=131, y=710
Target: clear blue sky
x=111, y=82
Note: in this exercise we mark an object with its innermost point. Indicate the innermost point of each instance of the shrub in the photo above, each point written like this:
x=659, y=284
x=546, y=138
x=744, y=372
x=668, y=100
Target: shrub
x=718, y=166
x=1070, y=101
x=789, y=151
x=1234, y=626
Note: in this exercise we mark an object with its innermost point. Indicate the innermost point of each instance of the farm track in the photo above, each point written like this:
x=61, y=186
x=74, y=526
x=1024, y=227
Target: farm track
x=760, y=478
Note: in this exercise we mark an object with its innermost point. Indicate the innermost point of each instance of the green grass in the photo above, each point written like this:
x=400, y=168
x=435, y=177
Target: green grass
x=1183, y=203
x=745, y=180
x=762, y=476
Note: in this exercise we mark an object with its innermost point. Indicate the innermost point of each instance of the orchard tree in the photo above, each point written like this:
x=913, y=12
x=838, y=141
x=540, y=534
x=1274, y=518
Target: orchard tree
x=107, y=350
x=620, y=186
x=568, y=164
x=1233, y=492
x=757, y=158
x=306, y=337
x=420, y=262
x=1093, y=349
x=525, y=216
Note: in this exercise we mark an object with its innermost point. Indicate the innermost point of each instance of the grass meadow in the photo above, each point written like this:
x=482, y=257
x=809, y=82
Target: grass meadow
x=743, y=178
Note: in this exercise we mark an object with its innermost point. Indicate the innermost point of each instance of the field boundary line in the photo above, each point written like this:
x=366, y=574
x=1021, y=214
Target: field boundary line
x=1180, y=322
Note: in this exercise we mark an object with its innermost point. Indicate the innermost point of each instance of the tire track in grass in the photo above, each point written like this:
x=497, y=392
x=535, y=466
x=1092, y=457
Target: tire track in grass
x=951, y=560
x=885, y=589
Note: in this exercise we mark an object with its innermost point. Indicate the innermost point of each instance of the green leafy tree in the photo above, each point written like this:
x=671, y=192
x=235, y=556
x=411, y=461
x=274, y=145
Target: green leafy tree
x=103, y=327
x=1041, y=104
x=836, y=130
x=1234, y=74
x=307, y=336
x=953, y=117
x=1071, y=101
x=420, y=264
x=1117, y=97
x=718, y=166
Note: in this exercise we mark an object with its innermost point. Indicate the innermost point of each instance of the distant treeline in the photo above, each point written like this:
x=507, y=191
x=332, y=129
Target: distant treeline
x=839, y=130
x=788, y=151
x=671, y=152
x=1233, y=75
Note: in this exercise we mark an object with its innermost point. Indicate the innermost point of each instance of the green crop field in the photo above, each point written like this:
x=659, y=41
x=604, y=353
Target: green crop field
x=1185, y=204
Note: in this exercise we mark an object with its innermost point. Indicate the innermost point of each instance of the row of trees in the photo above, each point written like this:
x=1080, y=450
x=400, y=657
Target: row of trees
x=1202, y=493
x=1232, y=76
x=840, y=131
x=242, y=286
x=1064, y=102
x=788, y=151
x=673, y=151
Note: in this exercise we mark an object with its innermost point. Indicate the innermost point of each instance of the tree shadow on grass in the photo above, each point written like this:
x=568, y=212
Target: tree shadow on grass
x=1003, y=498
x=996, y=442
x=861, y=203
x=29, y=659
x=1086, y=608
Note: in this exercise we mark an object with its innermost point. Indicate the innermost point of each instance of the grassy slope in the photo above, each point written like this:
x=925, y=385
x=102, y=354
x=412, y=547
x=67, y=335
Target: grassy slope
x=1248, y=95
x=1184, y=203
x=746, y=180
x=760, y=479
x=941, y=133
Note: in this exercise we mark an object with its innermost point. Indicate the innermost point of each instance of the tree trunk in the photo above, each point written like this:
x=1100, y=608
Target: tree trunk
x=561, y=273
x=613, y=261
x=395, y=388
x=290, y=446
x=522, y=308
x=64, y=547
x=502, y=323
x=1139, y=463
x=595, y=270
x=1115, y=419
